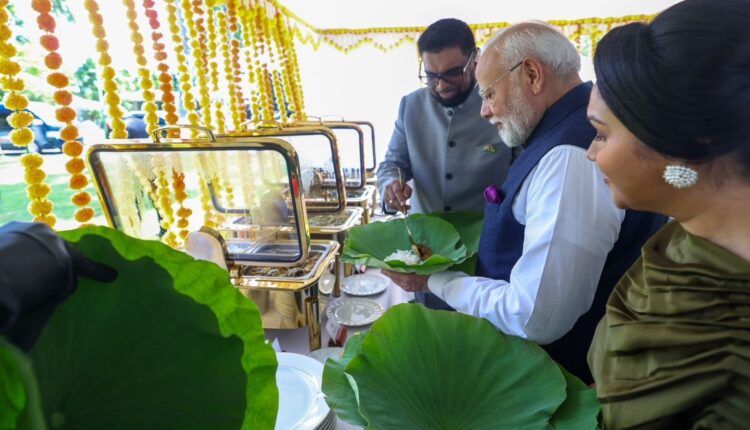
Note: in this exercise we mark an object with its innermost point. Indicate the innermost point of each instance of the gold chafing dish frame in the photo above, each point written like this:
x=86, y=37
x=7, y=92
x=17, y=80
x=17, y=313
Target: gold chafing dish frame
x=371, y=177
x=348, y=125
x=266, y=143
x=279, y=130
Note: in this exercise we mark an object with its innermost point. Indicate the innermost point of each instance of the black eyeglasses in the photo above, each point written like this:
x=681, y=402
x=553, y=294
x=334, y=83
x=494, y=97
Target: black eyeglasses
x=451, y=76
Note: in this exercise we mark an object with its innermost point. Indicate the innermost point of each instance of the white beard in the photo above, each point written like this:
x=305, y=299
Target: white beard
x=519, y=120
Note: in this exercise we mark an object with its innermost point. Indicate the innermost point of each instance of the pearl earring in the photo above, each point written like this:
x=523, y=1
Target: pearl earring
x=680, y=176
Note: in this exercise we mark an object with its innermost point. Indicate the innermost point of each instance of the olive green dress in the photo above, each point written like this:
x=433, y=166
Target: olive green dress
x=673, y=349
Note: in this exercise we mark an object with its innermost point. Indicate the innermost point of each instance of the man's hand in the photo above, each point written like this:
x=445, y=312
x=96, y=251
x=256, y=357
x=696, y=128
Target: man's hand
x=396, y=195
x=408, y=281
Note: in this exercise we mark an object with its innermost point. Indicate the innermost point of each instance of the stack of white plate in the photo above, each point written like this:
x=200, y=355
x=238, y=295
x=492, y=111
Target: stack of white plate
x=302, y=405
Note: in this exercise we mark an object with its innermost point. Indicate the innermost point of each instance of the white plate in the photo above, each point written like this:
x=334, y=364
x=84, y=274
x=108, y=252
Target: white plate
x=354, y=312
x=364, y=284
x=302, y=405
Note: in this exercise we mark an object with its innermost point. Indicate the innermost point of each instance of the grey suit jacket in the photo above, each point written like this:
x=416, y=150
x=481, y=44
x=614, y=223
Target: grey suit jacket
x=452, y=154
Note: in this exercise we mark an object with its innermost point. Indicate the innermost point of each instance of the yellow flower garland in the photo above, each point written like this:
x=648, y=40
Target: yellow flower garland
x=193, y=19
x=21, y=135
x=108, y=73
x=221, y=19
x=75, y=165
x=238, y=107
x=147, y=84
x=164, y=78
x=213, y=47
x=261, y=69
x=188, y=100
x=180, y=195
x=247, y=19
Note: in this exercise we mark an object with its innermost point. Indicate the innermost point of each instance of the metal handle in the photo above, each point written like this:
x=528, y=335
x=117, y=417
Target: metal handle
x=250, y=125
x=157, y=132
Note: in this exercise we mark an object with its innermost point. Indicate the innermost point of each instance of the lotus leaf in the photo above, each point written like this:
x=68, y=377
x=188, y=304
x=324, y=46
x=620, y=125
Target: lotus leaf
x=371, y=244
x=580, y=409
x=169, y=344
x=422, y=369
x=19, y=399
x=342, y=395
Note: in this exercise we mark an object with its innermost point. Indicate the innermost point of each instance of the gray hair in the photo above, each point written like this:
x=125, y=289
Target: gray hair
x=537, y=40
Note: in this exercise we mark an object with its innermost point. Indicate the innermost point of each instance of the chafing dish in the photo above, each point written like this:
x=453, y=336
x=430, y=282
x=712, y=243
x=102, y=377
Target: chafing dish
x=239, y=204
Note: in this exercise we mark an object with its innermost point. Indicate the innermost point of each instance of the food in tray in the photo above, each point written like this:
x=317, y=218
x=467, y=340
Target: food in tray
x=300, y=271
x=325, y=220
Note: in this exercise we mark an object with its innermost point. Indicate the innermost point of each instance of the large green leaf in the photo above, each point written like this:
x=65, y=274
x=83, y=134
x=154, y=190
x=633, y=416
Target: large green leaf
x=424, y=369
x=169, y=344
x=469, y=227
x=580, y=410
x=19, y=398
x=341, y=391
x=372, y=243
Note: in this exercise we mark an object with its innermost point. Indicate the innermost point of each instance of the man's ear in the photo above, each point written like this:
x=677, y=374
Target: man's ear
x=533, y=75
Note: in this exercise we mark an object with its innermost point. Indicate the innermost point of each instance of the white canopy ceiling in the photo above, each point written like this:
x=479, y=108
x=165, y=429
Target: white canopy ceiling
x=399, y=13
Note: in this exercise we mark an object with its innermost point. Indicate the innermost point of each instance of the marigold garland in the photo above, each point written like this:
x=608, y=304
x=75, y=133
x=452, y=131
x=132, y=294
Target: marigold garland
x=238, y=107
x=247, y=20
x=188, y=100
x=198, y=37
x=160, y=54
x=21, y=135
x=108, y=73
x=147, y=84
x=64, y=113
x=164, y=200
x=213, y=47
x=261, y=69
x=183, y=213
x=221, y=19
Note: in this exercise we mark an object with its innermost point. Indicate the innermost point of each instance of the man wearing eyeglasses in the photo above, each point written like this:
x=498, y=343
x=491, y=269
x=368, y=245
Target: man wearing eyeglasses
x=553, y=243
x=440, y=142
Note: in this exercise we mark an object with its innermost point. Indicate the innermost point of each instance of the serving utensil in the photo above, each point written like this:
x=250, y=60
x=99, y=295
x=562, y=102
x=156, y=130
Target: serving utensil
x=414, y=246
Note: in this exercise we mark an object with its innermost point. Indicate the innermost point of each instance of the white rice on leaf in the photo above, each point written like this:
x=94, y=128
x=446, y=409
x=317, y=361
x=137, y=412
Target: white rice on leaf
x=407, y=256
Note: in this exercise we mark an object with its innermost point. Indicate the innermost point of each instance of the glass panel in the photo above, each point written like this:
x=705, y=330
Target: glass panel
x=351, y=151
x=166, y=192
x=370, y=154
x=317, y=170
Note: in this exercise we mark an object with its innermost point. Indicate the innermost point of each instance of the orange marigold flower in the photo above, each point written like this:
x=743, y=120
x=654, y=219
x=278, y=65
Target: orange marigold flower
x=160, y=56
x=98, y=31
x=167, y=97
x=49, y=219
x=46, y=22
x=108, y=73
x=20, y=119
x=182, y=223
x=58, y=80
x=84, y=214
x=78, y=181
x=139, y=50
x=21, y=136
x=102, y=45
x=53, y=60
x=163, y=67
x=7, y=50
x=141, y=61
x=40, y=207
x=31, y=161
x=110, y=86
x=50, y=42
x=65, y=114
x=63, y=97
x=8, y=67
x=75, y=166
x=41, y=6
x=184, y=212
x=5, y=33
x=34, y=176
x=171, y=118
x=73, y=148
x=38, y=191
x=10, y=83
x=112, y=99
x=81, y=199
x=180, y=195
x=183, y=234
x=69, y=133
x=105, y=59
x=4, y=17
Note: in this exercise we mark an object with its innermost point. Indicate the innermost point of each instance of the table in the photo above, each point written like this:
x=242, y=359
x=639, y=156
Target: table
x=297, y=341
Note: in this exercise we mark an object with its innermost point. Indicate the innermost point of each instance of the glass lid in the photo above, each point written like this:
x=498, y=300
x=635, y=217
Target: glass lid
x=320, y=167
x=247, y=191
x=351, y=140
x=371, y=157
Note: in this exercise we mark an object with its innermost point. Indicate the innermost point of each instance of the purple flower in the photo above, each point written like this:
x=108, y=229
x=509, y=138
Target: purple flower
x=492, y=194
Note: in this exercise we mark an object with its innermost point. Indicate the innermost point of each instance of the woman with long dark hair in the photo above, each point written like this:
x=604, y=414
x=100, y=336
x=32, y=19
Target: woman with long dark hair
x=672, y=113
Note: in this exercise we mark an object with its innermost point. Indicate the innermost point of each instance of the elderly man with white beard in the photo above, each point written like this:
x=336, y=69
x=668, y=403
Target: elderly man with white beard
x=553, y=243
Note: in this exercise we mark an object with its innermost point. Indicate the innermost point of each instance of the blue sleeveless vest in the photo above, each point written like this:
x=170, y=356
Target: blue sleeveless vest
x=501, y=242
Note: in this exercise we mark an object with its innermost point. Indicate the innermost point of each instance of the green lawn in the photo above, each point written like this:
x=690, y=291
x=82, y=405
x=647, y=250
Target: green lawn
x=14, y=201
